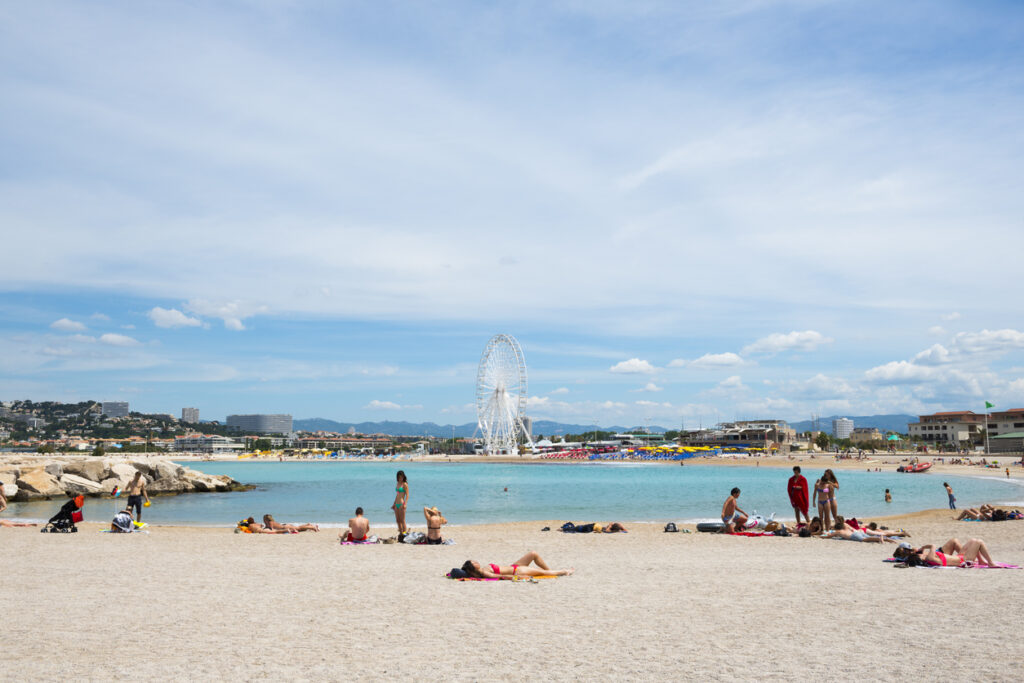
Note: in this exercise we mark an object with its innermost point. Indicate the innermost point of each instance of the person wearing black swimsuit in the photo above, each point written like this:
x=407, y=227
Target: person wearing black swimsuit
x=434, y=522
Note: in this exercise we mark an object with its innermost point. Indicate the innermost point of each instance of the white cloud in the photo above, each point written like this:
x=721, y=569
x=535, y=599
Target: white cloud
x=65, y=325
x=989, y=341
x=951, y=316
x=899, y=372
x=114, y=339
x=717, y=360
x=633, y=366
x=651, y=386
x=937, y=354
x=560, y=390
x=382, y=405
x=101, y=317
x=172, y=317
x=537, y=401
x=808, y=340
x=231, y=312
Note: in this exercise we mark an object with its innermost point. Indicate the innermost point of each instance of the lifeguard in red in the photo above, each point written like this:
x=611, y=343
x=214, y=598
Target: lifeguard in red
x=798, y=495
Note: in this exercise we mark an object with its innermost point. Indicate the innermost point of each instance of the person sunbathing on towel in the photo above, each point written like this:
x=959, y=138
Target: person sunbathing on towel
x=435, y=520
x=950, y=554
x=8, y=523
x=255, y=527
x=611, y=528
x=884, y=533
x=520, y=567
x=844, y=533
x=358, y=528
x=983, y=512
x=271, y=523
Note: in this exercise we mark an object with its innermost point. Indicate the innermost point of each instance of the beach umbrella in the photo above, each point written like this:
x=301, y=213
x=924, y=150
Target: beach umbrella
x=893, y=437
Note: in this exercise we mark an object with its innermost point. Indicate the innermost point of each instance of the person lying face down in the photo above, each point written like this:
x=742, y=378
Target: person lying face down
x=520, y=567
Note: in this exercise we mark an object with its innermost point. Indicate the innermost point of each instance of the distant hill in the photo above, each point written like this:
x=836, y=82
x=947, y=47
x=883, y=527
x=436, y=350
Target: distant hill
x=883, y=423
x=545, y=427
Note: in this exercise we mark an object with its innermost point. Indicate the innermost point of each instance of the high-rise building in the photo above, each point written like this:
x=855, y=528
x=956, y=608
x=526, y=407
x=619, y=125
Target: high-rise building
x=842, y=428
x=115, y=408
x=263, y=424
x=190, y=415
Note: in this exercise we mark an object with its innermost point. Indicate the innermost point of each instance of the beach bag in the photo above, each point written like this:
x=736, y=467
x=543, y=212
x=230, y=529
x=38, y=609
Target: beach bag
x=569, y=528
x=671, y=527
x=457, y=573
x=413, y=537
x=76, y=517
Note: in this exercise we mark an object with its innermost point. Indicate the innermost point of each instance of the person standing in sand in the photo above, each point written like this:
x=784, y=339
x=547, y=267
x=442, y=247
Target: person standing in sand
x=821, y=493
x=136, y=491
x=401, y=503
x=833, y=497
x=732, y=515
x=952, y=498
x=358, y=528
x=798, y=494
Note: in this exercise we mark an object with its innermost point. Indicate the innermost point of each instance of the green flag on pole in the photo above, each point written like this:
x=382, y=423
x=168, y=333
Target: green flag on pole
x=989, y=405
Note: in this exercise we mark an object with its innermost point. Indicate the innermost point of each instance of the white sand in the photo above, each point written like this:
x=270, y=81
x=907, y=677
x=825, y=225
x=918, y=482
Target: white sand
x=185, y=603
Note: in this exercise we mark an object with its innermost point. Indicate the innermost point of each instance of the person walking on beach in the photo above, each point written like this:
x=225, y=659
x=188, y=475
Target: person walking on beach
x=952, y=498
x=136, y=491
x=798, y=495
x=732, y=515
x=401, y=503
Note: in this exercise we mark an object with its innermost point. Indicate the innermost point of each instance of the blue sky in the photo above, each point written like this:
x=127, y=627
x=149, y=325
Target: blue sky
x=683, y=211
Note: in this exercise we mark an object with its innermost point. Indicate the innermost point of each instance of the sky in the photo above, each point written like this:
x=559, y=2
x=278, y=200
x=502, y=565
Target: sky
x=685, y=212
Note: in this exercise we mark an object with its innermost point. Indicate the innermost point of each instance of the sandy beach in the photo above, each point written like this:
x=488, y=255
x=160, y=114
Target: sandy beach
x=189, y=603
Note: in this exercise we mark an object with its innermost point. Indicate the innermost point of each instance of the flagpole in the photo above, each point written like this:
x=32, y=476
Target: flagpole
x=986, y=428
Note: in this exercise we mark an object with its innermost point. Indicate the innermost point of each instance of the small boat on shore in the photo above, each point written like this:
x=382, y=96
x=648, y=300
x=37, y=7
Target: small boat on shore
x=915, y=468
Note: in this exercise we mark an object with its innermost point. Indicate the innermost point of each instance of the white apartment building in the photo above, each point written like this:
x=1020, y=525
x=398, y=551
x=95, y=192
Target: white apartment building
x=190, y=415
x=842, y=428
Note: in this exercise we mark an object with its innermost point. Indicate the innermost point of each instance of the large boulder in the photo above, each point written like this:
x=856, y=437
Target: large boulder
x=209, y=482
x=38, y=483
x=9, y=473
x=164, y=469
x=10, y=490
x=107, y=485
x=121, y=470
x=73, y=483
x=54, y=468
x=145, y=467
x=93, y=470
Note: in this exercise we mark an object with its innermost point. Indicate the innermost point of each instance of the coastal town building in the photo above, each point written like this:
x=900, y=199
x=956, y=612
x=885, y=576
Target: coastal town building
x=752, y=433
x=261, y=424
x=115, y=408
x=1004, y=422
x=1010, y=443
x=842, y=428
x=865, y=434
x=204, y=443
x=952, y=427
x=190, y=415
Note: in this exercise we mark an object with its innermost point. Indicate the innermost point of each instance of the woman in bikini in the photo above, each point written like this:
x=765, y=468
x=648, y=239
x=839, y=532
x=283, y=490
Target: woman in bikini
x=823, y=492
x=830, y=480
x=951, y=554
x=434, y=522
x=401, y=501
x=520, y=567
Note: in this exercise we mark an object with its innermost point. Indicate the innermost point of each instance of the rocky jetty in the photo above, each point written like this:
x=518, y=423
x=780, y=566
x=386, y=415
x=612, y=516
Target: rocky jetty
x=42, y=478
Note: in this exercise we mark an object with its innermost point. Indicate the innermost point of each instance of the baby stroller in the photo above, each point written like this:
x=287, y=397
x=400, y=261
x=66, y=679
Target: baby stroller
x=64, y=521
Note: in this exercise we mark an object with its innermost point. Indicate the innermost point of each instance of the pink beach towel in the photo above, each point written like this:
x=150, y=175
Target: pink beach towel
x=982, y=565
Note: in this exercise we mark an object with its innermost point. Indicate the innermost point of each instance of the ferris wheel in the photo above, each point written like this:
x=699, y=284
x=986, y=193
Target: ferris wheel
x=501, y=395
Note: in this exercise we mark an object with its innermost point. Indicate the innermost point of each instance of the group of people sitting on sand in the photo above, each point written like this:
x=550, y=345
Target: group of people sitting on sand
x=358, y=529
x=272, y=526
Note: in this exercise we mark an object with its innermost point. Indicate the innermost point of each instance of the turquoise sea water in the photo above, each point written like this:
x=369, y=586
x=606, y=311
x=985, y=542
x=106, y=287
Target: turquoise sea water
x=473, y=493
